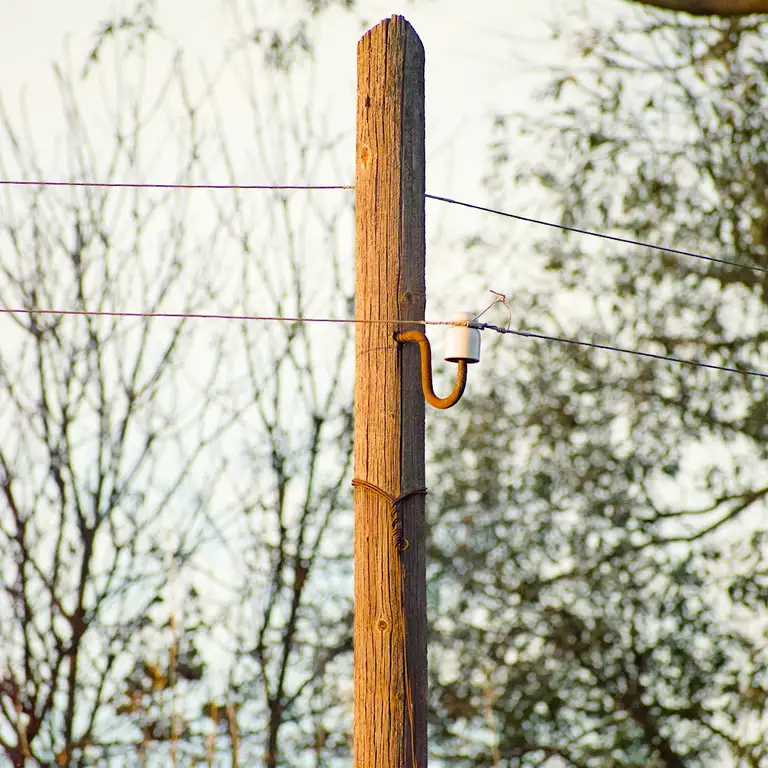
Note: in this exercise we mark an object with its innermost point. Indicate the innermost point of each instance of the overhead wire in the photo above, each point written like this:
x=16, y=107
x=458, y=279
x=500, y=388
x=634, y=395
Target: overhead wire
x=622, y=350
x=142, y=185
x=356, y=321
x=601, y=235
x=214, y=316
x=348, y=187
x=439, y=198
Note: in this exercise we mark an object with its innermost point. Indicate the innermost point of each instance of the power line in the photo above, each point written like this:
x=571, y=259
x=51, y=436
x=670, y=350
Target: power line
x=622, y=350
x=352, y=321
x=601, y=235
x=452, y=201
x=215, y=316
x=138, y=185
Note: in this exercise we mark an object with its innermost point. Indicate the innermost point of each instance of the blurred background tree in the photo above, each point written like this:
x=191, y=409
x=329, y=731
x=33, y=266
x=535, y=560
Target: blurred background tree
x=168, y=484
x=175, y=501
x=599, y=544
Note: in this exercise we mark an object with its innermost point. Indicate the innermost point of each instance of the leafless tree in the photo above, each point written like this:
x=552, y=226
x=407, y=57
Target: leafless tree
x=170, y=486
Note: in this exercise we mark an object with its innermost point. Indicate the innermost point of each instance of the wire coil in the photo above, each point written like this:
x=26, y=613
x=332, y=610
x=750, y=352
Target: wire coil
x=400, y=542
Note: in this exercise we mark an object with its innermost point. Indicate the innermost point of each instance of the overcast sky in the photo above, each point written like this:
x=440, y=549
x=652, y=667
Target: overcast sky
x=482, y=56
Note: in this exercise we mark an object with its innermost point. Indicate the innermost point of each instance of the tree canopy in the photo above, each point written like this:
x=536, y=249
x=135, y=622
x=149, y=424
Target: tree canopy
x=599, y=553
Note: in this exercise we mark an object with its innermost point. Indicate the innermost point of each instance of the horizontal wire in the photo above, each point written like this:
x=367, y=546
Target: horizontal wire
x=452, y=201
x=215, y=316
x=352, y=321
x=623, y=350
x=139, y=185
x=601, y=235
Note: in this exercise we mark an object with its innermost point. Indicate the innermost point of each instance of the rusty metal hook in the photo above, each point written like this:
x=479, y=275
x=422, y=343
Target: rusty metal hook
x=426, y=371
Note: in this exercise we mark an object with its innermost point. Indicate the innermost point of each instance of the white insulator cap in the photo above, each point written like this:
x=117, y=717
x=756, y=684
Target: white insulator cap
x=463, y=342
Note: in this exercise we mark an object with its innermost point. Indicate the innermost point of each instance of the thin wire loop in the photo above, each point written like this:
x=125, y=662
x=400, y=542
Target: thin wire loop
x=501, y=298
x=401, y=543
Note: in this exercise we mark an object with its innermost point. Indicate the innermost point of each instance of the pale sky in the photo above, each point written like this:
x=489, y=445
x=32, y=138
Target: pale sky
x=482, y=56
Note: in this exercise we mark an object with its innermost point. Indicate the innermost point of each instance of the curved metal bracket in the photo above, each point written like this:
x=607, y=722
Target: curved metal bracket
x=426, y=371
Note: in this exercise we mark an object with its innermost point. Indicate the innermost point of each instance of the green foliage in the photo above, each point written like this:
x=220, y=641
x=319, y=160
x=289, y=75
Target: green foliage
x=598, y=548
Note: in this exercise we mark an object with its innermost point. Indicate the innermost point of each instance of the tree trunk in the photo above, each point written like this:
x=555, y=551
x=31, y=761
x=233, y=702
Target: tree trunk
x=725, y=8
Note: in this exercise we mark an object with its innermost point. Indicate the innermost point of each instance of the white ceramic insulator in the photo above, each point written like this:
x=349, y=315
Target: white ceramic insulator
x=463, y=342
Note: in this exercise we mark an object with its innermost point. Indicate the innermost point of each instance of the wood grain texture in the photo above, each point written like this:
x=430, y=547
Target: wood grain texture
x=389, y=406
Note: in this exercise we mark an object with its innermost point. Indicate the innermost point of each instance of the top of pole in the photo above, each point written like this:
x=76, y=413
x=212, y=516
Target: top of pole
x=399, y=25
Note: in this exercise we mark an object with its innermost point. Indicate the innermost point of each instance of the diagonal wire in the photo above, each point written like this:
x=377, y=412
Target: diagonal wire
x=440, y=198
x=602, y=235
x=362, y=321
x=622, y=350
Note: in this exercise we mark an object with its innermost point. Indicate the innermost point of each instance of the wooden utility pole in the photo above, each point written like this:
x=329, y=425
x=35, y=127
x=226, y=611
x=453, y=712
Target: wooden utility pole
x=390, y=559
